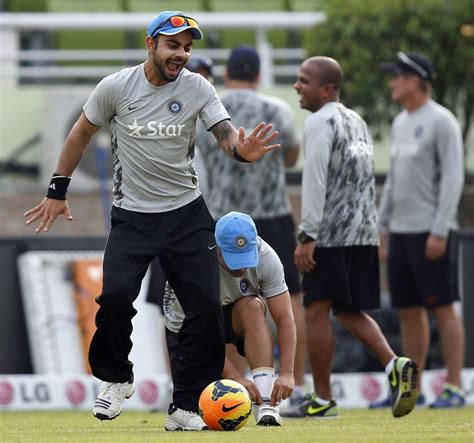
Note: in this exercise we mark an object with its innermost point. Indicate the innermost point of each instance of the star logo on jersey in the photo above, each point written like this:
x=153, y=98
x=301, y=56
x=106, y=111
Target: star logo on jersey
x=135, y=128
x=175, y=106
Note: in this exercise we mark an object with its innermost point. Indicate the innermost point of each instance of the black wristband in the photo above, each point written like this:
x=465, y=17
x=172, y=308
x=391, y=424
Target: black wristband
x=57, y=188
x=238, y=157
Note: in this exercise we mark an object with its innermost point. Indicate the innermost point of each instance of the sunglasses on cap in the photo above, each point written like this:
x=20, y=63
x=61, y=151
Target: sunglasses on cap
x=177, y=21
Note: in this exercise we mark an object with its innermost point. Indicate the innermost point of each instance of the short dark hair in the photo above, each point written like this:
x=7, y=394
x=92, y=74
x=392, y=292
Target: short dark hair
x=243, y=64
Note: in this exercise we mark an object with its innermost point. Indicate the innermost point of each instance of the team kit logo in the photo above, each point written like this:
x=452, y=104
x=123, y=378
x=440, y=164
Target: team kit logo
x=244, y=285
x=241, y=241
x=157, y=128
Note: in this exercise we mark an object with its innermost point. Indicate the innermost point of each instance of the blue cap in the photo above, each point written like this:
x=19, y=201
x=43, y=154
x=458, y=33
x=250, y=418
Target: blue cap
x=168, y=28
x=236, y=236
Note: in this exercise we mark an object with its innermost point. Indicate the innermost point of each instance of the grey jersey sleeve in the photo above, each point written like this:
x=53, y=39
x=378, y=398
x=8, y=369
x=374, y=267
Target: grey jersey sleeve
x=385, y=205
x=100, y=106
x=213, y=111
x=317, y=141
x=272, y=275
x=450, y=152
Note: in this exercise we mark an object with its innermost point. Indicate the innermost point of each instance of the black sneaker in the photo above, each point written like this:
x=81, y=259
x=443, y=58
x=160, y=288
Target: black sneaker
x=402, y=381
x=311, y=407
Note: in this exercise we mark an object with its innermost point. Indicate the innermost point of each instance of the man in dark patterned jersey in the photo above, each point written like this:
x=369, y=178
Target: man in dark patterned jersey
x=258, y=189
x=151, y=111
x=337, y=242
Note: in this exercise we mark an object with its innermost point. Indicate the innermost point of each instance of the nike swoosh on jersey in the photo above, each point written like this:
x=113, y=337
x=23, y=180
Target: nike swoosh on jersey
x=211, y=247
x=132, y=108
x=228, y=409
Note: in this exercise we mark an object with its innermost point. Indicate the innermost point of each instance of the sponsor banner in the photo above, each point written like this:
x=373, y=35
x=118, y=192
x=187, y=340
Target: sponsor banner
x=34, y=392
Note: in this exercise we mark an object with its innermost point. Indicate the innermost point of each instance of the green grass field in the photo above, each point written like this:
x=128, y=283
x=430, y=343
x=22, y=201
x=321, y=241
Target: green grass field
x=353, y=425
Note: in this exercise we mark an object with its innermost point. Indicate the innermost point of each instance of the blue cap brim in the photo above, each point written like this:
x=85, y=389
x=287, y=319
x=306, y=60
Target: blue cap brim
x=241, y=260
x=196, y=32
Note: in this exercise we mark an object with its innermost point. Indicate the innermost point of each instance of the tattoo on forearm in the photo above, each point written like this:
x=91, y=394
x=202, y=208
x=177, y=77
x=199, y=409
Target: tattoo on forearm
x=221, y=131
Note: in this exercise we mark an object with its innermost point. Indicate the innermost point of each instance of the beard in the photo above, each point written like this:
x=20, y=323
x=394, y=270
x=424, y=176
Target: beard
x=160, y=67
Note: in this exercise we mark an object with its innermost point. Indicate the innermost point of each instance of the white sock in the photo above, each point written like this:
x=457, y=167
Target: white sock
x=264, y=379
x=389, y=366
x=323, y=402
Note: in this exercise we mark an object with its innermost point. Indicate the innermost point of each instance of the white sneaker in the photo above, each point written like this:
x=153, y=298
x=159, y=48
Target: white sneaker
x=181, y=420
x=268, y=416
x=108, y=404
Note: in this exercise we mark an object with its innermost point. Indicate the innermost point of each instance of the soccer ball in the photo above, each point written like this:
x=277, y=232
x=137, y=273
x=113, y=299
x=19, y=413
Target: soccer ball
x=225, y=405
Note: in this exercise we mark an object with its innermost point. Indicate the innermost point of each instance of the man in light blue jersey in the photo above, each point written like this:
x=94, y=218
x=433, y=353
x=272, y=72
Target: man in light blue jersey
x=337, y=249
x=418, y=219
x=151, y=112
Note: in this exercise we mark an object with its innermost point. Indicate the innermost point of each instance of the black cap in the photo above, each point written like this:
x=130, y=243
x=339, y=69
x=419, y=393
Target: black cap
x=411, y=63
x=243, y=63
x=197, y=62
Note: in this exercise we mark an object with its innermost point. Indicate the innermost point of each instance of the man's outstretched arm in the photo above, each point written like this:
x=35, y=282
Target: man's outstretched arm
x=245, y=148
x=55, y=202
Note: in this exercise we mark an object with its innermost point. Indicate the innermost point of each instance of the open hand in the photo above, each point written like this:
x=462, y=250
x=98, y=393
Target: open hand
x=47, y=212
x=257, y=144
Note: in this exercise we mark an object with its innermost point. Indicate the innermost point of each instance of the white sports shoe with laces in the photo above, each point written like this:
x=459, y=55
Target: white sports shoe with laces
x=181, y=420
x=268, y=416
x=108, y=404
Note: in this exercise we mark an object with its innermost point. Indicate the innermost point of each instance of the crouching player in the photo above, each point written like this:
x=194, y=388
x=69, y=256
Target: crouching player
x=251, y=279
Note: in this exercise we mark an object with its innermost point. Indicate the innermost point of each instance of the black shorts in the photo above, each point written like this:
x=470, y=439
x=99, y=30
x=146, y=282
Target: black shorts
x=416, y=281
x=230, y=335
x=348, y=275
x=279, y=233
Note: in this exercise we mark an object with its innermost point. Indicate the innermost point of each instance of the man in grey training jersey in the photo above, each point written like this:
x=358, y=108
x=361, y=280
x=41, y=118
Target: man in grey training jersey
x=151, y=112
x=418, y=216
x=251, y=278
x=258, y=189
x=338, y=238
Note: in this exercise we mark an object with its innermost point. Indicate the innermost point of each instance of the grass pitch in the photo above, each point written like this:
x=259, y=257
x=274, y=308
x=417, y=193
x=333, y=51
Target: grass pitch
x=353, y=425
